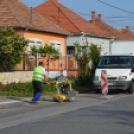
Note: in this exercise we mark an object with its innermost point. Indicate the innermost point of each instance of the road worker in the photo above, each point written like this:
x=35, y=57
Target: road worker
x=38, y=76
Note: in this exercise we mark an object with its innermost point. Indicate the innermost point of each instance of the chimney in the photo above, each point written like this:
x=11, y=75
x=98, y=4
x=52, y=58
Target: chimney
x=99, y=16
x=93, y=17
x=127, y=27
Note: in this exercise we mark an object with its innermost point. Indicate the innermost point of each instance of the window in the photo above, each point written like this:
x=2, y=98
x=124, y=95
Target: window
x=59, y=48
x=34, y=42
x=52, y=44
x=57, y=45
x=31, y=44
x=115, y=62
x=38, y=45
x=70, y=50
x=133, y=65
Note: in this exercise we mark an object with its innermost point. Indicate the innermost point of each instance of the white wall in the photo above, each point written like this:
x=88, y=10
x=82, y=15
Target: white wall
x=122, y=47
x=99, y=41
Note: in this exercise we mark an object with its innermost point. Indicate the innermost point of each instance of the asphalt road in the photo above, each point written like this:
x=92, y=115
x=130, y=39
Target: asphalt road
x=86, y=115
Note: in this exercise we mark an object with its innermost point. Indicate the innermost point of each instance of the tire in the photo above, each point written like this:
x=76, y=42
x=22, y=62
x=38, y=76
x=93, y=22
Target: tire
x=60, y=100
x=131, y=88
x=71, y=99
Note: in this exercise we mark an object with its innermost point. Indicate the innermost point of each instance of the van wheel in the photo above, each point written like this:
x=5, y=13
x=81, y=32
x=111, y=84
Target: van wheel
x=131, y=88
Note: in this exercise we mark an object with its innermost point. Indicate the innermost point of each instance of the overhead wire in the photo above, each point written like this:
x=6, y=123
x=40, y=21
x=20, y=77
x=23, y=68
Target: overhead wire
x=115, y=7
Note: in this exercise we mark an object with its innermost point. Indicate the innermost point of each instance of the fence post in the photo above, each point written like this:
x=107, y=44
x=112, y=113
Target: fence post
x=24, y=62
x=37, y=60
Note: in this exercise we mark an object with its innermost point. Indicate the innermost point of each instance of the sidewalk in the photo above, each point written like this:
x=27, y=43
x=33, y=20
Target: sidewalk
x=10, y=101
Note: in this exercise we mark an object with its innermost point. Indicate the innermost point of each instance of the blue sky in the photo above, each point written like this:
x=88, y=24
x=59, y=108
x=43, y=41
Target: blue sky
x=110, y=15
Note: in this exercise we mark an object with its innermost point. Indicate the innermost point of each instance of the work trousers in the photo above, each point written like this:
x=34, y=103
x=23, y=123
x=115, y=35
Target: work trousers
x=38, y=89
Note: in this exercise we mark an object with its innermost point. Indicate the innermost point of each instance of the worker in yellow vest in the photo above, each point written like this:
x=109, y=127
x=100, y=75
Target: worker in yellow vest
x=38, y=76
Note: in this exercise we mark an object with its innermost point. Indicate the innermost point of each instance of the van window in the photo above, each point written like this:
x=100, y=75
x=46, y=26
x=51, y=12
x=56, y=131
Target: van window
x=133, y=65
x=115, y=62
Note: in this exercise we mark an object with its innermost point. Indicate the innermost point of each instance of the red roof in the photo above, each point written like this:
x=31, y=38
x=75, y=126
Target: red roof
x=15, y=13
x=117, y=34
x=67, y=19
x=127, y=32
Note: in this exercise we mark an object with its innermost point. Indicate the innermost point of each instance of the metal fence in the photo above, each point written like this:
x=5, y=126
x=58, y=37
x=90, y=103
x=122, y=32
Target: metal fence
x=51, y=62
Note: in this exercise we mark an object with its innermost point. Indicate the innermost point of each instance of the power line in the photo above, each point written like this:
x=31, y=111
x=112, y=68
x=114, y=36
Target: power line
x=115, y=7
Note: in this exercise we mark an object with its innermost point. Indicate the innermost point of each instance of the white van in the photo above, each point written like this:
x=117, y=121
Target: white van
x=120, y=72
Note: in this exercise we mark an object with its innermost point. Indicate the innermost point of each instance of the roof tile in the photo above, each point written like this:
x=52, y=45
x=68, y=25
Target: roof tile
x=67, y=19
x=128, y=33
x=15, y=13
x=117, y=34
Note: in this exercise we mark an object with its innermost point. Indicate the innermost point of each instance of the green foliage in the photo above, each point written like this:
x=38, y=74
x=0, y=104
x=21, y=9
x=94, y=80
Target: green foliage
x=47, y=49
x=82, y=57
x=21, y=89
x=12, y=46
x=86, y=82
x=83, y=54
x=94, y=54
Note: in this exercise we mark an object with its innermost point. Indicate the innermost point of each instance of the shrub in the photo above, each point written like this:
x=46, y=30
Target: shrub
x=12, y=46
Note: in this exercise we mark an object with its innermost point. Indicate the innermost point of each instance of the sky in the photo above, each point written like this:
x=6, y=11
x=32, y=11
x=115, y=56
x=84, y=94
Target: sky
x=116, y=13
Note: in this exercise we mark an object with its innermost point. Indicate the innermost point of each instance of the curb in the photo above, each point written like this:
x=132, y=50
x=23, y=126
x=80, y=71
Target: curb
x=19, y=102
x=10, y=104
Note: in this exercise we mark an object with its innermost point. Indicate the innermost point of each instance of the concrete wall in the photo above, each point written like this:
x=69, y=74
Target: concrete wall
x=104, y=43
x=16, y=77
x=122, y=47
x=24, y=76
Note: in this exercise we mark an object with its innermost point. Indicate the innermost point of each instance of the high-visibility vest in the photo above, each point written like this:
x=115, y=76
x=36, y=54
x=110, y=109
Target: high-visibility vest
x=38, y=75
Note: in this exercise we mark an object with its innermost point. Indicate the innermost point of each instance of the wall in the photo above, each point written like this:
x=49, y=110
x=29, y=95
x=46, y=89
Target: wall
x=122, y=47
x=16, y=77
x=45, y=36
x=26, y=76
x=105, y=43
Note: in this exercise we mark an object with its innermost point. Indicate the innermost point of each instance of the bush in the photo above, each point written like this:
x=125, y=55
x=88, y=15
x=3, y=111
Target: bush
x=12, y=46
x=86, y=82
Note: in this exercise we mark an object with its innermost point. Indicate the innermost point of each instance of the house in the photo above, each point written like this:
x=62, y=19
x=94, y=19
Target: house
x=35, y=28
x=75, y=24
x=127, y=32
x=123, y=41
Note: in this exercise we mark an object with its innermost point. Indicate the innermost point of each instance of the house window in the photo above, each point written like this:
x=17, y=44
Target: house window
x=34, y=42
x=59, y=48
x=52, y=44
x=31, y=44
x=57, y=45
x=38, y=45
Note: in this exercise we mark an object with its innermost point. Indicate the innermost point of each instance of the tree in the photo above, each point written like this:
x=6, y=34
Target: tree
x=82, y=57
x=83, y=54
x=94, y=54
x=12, y=46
